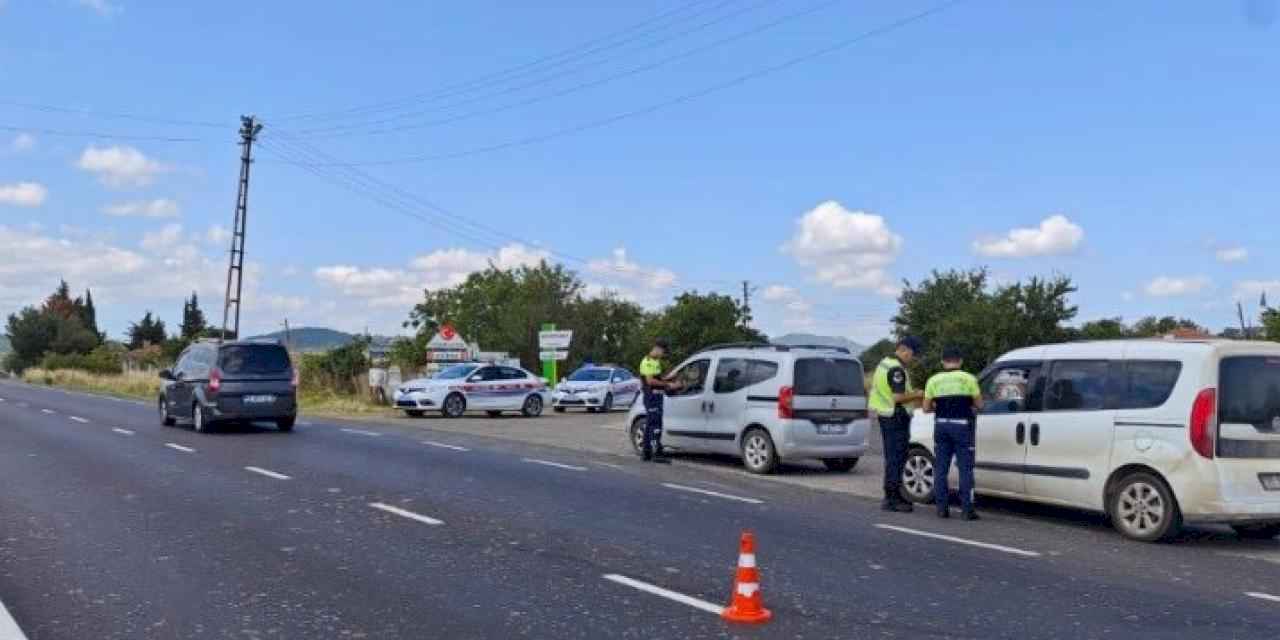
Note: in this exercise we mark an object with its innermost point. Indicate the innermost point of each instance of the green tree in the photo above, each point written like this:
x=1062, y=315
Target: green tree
x=1151, y=326
x=696, y=321
x=873, y=354
x=89, y=315
x=1271, y=324
x=1104, y=329
x=30, y=333
x=148, y=331
x=193, y=321
x=606, y=329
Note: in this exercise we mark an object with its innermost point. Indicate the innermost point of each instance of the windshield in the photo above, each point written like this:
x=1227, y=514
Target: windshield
x=590, y=375
x=255, y=359
x=456, y=372
x=828, y=377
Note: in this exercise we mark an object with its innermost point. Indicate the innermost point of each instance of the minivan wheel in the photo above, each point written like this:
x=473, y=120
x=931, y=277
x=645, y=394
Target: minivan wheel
x=199, y=423
x=758, y=453
x=1142, y=508
x=532, y=406
x=917, y=476
x=840, y=465
x=286, y=424
x=1257, y=531
x=165, y=419
x=637, y=435
x=454, y=406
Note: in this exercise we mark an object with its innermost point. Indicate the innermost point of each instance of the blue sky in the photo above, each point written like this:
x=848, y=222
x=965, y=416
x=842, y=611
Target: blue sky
x=1131, y=146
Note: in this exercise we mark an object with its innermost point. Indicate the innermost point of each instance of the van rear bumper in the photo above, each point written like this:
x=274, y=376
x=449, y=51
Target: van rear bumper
x=821, y=451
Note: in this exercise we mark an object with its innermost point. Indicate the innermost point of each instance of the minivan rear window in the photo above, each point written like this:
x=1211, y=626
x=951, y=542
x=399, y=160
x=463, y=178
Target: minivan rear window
x=1249, y=391
x=828, y=377
x=253, y=359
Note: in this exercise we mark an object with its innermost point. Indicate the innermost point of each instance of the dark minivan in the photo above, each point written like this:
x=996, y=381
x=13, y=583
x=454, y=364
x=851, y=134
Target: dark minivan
x=231, y=381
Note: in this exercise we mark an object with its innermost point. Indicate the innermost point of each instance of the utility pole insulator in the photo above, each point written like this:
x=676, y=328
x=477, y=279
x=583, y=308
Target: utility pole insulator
x=249, y=129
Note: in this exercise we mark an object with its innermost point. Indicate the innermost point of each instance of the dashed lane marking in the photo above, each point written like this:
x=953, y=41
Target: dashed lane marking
x=558, y=465
x=441, y=445
x=674, y=596
x=305, y=423
x=361, y=432
x=714, y=494
x=47, y=411
x=79, y=419
x=404, y=513
x=965, y=541
x=123, y=432
x=1263, y=596
x=267, y=472
x=178, y=447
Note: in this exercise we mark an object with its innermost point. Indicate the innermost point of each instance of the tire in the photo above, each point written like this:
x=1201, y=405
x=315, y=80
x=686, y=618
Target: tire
x=286, y=424
x=840, y=465
x=199, y=422
x=917, y=476
x=636, y=435
x=1143, y=508
x=532, y=406
x=558, y=409
x=165, y=419
x=454, y=406
x=1265, y=531
x=413, y=413
x=758, y=453
x=608, y=404
x=493, y=414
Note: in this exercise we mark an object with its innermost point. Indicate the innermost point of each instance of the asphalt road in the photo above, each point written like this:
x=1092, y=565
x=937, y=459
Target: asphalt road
x=112, y=526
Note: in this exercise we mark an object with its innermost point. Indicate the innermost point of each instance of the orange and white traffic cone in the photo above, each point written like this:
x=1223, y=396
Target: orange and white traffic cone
x=747, y=603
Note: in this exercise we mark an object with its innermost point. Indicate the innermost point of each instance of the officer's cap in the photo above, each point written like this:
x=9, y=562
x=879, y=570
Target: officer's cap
x=662, y=343
x=911, y=342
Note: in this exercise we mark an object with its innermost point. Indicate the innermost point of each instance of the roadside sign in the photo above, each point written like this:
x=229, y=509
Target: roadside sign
x=553, y=355
x=548, y=340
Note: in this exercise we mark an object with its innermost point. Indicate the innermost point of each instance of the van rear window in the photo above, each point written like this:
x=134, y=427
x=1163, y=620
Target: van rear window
x=828, y=377
x=1249, y=391
x=253, y=359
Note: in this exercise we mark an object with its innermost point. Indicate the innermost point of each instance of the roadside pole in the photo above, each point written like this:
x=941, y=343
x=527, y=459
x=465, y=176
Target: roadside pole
x=549, y=366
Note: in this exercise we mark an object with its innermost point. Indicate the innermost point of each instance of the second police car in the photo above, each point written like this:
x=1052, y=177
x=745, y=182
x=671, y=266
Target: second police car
x=466, y=387
x=597, y=388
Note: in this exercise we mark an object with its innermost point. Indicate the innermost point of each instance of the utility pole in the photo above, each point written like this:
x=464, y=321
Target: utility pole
x=249, y=129
x=746, y=304
x=288, y=337
x=1243, y=329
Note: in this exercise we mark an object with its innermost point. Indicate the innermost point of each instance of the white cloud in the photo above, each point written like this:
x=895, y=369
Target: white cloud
x=1127, y=296
x=288, y=304
x=157, y=208
x=619, y=267
x=1166, y=286
x=217, y=235
x=23, y=194
x=377, y=286
x=1253, y=289
x=120, y=167
x=846, y=249
x=1056, y=235
x=166, y=238
x=289, y=271
x=101, y=7
x=1232, y=254
x=795, y=310
x=22, y=142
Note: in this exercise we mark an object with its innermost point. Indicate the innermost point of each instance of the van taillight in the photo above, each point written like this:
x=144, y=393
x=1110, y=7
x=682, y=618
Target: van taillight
x=215, y=380
x=786, y=400
x=1203, y=420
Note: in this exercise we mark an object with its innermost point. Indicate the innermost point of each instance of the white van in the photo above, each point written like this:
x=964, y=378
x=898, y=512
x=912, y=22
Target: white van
x=766, y=403
x=1153, y=433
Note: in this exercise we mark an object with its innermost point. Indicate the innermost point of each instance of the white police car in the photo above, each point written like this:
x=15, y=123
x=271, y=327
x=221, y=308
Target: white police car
x=474, y=387
x=597, y=388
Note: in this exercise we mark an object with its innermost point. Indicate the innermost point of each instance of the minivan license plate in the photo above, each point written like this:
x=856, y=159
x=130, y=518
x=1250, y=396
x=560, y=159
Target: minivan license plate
x=1270, y=481
x=832, y=429
x=259, y=399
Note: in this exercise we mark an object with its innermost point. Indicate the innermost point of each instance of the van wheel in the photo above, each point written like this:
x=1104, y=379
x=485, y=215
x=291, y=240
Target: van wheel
x=165, y=419
x=917, y=476
x=286, y=424
x=758, y=453
x=840, y=465
x=532, y=406
x=199, y=423
x=637, y=435
x=1257, y=531
x=454, y=406
x=1142, y=508
x=558, y=409
x=412, y=413
x=493, y=414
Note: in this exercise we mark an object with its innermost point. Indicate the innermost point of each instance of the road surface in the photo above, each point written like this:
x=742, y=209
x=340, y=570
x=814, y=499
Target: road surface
x=112, y=526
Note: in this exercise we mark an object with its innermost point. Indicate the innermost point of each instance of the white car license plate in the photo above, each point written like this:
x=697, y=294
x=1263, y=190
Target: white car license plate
x=259, y=399
x=833, y=429
x=1270, y=481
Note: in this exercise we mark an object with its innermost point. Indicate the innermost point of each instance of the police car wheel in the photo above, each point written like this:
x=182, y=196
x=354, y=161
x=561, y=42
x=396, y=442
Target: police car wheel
x=917, y=477
x=454, y=406
x=758, y=453
x=413, y=413
x=558, y=409
x=532, y=407
x=637, y=434
x=840, y=465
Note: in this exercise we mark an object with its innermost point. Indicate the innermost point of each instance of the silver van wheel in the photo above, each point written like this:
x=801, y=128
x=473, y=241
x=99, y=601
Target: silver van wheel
x=917, y=476
x=637, y=434
x=197, y=419
x=1142, y=508
x=757, y=452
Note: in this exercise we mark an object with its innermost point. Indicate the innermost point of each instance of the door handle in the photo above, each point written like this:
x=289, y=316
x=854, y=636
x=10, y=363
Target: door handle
x=1020, y=434
x=704, y=406
x=711, y=406
x=1035, y=434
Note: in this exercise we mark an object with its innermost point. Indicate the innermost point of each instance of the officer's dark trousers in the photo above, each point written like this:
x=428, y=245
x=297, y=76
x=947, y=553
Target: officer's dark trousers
x=652, y=423
x=953, y=438
x=895, y=432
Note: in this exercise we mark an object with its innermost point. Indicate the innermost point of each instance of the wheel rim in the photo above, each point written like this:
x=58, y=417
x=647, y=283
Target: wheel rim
x=756, y=451
x=197, y=419
x=164, y=411
x=453, y=405
x=533, y=405
x=1140, y=510
x=917, y=477
x=637, y=434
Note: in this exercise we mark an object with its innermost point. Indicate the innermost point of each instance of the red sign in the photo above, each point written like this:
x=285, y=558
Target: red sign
x=447, y=332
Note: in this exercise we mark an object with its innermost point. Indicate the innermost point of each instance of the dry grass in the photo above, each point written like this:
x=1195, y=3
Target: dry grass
x=328, y=403
x=134, y=384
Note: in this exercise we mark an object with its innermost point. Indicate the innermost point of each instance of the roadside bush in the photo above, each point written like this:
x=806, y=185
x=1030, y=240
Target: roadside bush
x=343, y=371
x=134, y=384
x=102, y=360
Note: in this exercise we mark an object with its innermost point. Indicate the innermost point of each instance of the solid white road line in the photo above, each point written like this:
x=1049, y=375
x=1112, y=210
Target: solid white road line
x=178, y=447
x=406, y=514
x=79, y=419
x=973, y=543
x=268, y=473
x=714, y=494
x=1263, y=596
x=558, y=465
x=362, y=432
x=441, y=445
x=9, y=627
x=123, y=432
x=305, y=423
x=46, y=411
x=666, y=593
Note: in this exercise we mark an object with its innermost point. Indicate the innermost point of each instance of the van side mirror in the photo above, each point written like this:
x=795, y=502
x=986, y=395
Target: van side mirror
x=166, y=374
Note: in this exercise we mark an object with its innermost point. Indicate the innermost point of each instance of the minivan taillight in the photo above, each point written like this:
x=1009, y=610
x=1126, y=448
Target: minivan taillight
x=786, y=403
x=1204, y=413
x=215, y=380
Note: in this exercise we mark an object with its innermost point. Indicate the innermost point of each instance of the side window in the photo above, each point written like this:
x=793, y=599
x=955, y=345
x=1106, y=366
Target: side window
x=487, y=374
x=182, y=364
x=1145, y=384
x=731, y=375
x=1012, y=389
x=760, y=370
x=511, y=373
x=199, y=361
x=1077, y=385
x=692, y=377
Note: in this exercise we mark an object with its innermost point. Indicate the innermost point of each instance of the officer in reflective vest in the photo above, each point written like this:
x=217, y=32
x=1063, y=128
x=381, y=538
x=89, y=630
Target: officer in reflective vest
x=954, y=397
x=654, y=385
x=890, y=390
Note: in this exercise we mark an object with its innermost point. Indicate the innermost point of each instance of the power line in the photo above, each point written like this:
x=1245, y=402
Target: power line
x=95, y=134
x=683, y=98
x=48, y=108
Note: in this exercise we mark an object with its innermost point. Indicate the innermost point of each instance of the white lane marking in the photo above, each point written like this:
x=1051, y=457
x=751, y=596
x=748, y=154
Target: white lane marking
x=615, y=427
x=666, y=593
x=1, y=399
x=714, y=494
x=178, y=447
x=558, y=465
x=268, y=473
x=79, y=419
x=305, y=423
x=362, y=432
x=46, y=411
x=441, y=445
x=406, y=514
x=9, y=627
x=1263, y=596
x=610, y=465
x=123, y=432
x=973, y=543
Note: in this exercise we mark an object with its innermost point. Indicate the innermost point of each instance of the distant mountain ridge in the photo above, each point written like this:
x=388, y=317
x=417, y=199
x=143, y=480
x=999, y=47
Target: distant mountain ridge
x=311, y=339
x=826, y=341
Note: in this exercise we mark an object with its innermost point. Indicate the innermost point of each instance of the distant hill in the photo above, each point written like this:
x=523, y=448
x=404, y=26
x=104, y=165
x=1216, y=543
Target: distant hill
x=826, y=341
x=311, y=339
